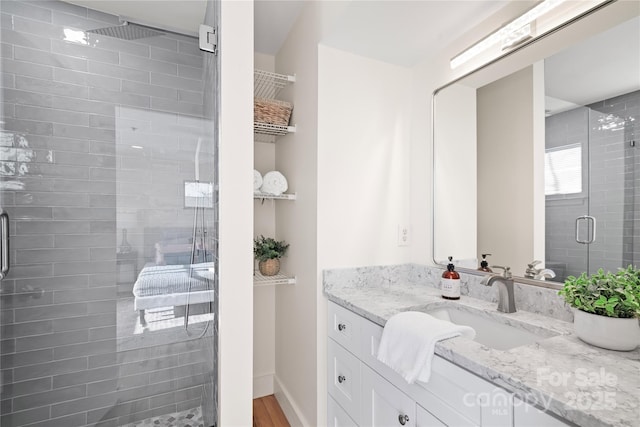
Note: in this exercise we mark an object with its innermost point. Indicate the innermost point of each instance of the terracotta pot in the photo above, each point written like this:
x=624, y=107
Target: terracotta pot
x=270, y=267
x=607, y=332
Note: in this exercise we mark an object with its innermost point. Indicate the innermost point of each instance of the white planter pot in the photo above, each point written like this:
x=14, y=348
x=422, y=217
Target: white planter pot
x=607, y=332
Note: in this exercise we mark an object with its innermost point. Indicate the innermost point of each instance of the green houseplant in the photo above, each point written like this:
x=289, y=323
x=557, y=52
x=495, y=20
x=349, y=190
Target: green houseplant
x=268, y=252
x=607, y=307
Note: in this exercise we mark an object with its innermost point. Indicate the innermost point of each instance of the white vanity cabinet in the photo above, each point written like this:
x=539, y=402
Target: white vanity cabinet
x=425, y=419
x=336, y=416
x=383, y=404
x=525, y=415
x=365, y=392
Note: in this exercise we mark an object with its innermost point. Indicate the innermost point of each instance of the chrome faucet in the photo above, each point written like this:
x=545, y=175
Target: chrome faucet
x=531, y=270
x=545, y=273
x=506, y=298
x=538, y=273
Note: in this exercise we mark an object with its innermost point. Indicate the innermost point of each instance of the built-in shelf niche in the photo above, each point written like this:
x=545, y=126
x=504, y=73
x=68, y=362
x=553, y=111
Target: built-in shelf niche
x=278, y=279
x=268, y=85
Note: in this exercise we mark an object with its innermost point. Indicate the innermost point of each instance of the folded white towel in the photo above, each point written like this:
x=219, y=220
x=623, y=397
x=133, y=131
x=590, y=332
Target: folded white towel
x=257, y=180
x=274, y=183
x=409, y=339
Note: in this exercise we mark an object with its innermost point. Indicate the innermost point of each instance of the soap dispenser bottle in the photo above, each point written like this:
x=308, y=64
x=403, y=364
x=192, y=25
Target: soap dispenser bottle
x=484, y=265
x=450, y=282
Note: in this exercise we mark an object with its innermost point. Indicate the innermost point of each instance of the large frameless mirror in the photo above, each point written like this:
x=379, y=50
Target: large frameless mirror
x=539, y=167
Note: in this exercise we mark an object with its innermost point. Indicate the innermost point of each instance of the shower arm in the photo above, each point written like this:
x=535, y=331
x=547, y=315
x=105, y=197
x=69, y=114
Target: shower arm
x=157, y=26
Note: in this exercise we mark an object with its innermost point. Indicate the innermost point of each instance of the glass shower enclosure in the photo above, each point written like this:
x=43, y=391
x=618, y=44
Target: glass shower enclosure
x=592, y=174
x=108, y=191
x=592, y=157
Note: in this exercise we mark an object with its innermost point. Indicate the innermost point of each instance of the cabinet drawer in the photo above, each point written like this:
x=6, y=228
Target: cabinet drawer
x=343, y=379
x=470, y=396
x=336, y=416
x=370, y=337
x=344, y=327
x=525, y=415
x=453, y=396
x=425, y=419
x=383, y=404
x=443, y=396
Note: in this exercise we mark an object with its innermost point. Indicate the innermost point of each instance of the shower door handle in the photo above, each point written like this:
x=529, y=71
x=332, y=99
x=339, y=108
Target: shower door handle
x=4, y=244
x=590, y=220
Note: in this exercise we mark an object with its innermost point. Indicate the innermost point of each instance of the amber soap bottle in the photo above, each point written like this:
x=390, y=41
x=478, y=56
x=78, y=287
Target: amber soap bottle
x=450, y=282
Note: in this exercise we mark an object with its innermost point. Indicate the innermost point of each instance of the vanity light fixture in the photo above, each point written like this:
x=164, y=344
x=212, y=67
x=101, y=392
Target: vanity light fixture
x=518, y=36
x=511, y=34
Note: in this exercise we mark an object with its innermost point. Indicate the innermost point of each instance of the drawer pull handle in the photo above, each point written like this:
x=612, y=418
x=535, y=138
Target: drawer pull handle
x=342, y=326
x=341, y=379
x=403, y=419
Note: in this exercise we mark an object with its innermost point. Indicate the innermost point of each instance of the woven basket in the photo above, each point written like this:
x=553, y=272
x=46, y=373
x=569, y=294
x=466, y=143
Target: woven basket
x=271, y=111
x=270, y=267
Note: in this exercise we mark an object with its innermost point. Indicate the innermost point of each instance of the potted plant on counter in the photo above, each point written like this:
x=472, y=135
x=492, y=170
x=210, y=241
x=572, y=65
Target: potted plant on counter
x=607, y=307
x=268, y=252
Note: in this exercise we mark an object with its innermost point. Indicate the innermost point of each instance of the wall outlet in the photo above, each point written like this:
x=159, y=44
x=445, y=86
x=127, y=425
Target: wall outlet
x=404, y=236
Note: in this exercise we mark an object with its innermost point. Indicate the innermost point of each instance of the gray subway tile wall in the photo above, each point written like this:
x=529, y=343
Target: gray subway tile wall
x=71, y=181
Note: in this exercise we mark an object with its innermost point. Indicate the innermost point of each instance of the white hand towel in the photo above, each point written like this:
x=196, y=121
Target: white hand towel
x=409, y=339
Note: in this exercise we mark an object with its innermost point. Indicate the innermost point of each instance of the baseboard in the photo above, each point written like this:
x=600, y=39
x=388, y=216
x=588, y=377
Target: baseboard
x=288, y=405
x=262, y=385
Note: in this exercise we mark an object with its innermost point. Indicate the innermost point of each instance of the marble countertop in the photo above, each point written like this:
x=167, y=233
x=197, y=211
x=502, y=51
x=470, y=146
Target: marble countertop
x=583, y=384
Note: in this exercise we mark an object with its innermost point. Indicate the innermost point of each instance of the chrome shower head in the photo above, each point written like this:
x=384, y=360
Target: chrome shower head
x=127, y=31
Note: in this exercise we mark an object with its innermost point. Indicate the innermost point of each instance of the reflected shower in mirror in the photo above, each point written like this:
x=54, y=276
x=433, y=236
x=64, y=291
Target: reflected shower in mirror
x=591, y=156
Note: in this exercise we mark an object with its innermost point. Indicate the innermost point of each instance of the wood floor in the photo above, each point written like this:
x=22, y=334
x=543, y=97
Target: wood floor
x=267, y=413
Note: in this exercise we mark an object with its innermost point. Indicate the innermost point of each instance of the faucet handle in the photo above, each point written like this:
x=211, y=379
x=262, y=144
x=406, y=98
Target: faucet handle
x=507, y=271
x=531, y=270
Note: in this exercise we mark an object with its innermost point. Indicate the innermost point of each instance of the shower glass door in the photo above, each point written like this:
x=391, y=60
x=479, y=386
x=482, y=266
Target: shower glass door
x=108, y=188
x=613, y=182
x=592, y=171
x=592, y=163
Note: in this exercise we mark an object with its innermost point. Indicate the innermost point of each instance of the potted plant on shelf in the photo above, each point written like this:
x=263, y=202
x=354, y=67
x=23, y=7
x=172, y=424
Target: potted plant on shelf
x=268, y=252
x=607, y=307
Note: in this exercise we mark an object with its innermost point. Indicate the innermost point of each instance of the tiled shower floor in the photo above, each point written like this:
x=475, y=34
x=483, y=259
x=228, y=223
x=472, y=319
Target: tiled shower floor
x=188, y=418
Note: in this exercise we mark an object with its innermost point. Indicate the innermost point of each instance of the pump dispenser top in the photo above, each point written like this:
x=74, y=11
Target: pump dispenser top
x=484, y=265
x=451, y=272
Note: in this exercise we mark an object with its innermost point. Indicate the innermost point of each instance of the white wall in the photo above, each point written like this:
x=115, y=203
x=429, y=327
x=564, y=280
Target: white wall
x=235, y=351
x=364, y=153
x=300, y=382
x=264, y=297
x=364, y=125
x=296, y=306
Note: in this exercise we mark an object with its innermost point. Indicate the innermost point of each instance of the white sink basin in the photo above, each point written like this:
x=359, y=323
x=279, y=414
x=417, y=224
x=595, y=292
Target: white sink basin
x=492, y=329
